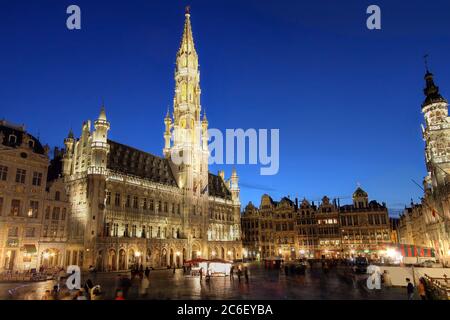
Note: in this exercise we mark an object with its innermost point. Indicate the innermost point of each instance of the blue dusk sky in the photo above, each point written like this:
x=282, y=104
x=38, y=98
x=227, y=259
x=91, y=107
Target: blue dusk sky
x=346, y=99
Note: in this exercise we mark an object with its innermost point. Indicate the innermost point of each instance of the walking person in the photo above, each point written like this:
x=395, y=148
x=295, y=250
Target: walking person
x=201, y=274
x=55, y=292
x=246, y=274
x=231, y=273
x=422, y=289
x=87, y=288
x=386, y=279
x=47, y=295
x=125, y=285
x=96, y=293
x=239, y=273
x=409, y=289
x=119, y=295
x=145, y=283
x=147, y=272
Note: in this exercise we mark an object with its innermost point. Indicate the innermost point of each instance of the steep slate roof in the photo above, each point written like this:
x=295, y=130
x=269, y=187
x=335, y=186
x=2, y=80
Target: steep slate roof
x=55, y=168
x=7, y=130
x=217, y=187
x=138, y=163
x=128, y=160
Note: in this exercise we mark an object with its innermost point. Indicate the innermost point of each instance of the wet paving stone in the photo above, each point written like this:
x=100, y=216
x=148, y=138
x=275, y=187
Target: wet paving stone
x=263, y=284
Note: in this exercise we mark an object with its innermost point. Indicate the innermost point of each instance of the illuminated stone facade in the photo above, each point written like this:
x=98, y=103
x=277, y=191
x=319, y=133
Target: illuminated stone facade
x=291, y=230
x=33, y=205
x=429, y=224
x=130, y=207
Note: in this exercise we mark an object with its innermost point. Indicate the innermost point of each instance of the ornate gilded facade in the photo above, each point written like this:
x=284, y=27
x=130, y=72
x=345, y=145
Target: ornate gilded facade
x=293, y=230
x=130, y=207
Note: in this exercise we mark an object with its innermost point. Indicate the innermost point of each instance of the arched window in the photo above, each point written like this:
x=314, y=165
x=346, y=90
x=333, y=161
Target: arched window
x=12, y=138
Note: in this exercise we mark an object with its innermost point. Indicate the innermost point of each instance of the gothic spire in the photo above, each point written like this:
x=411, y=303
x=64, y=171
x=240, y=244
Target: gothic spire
x=102, y=115
x=431, y=91
x=187, y=40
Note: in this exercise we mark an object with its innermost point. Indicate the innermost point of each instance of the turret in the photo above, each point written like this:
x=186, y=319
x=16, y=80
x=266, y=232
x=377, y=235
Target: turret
x=435, y=133
x=68, y=153
x=234, y=185
x=167, y=134
x=204, y=133
x=99, y=145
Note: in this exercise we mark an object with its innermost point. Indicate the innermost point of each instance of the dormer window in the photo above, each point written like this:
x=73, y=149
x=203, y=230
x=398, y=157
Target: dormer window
x=31, y=144
x=12, y=138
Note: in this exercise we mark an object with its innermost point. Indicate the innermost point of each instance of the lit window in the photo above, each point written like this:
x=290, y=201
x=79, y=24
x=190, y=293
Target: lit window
x=3, y=173
x=37, y=178
x=20, y=175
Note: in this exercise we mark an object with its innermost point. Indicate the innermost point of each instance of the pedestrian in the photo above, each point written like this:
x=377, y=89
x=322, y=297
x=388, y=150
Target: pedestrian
x=88, y=285
x=246, y=274
x=147, y=272
x=422, y=289
x=81, y=295
x=239, y=273
x=119, y=295
x=125, y=286
x=231, y=272
x=47, y=295
x=326, y=267
x=409, y=289
x=286, y=269
x=144, y=286
x=201, y=274
x=96, y=293
x=55, y=292
x=386, y=279
x=173, y=269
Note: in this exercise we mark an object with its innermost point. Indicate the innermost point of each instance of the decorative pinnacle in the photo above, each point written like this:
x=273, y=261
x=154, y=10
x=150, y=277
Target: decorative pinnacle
x=168, y=113
x=425, y=58
x=70, y=135
x=187, y=10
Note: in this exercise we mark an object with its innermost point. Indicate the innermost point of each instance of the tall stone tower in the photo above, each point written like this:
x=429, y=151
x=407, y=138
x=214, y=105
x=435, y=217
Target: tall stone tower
x=189, y=151
x=84, y=170
x=436, y=134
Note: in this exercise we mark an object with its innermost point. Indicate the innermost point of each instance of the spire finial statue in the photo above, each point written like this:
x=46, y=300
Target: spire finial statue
x=187, y=10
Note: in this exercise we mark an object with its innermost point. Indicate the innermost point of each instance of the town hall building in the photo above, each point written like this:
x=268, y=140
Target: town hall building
x=130, y=207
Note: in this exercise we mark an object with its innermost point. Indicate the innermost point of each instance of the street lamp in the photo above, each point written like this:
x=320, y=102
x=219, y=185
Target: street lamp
x=178, y=253
x=199, y=253
x=229, y=253
x=137, y=254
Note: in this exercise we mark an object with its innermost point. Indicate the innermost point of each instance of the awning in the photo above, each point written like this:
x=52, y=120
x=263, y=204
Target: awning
x=407, y=250
x=29, y=248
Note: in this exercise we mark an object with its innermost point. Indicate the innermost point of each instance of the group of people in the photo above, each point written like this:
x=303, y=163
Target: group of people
x=422, y=289
x=239, y=273
x=124, y=283
x=60, y=292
